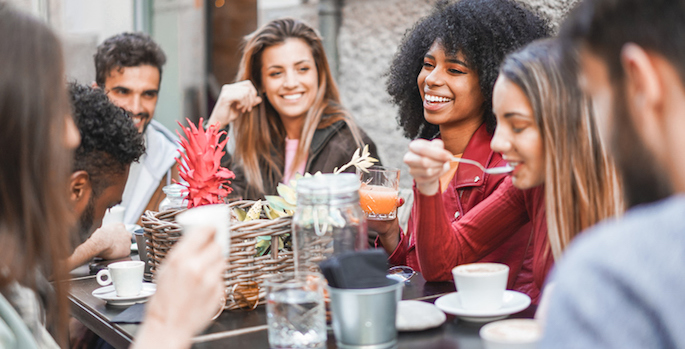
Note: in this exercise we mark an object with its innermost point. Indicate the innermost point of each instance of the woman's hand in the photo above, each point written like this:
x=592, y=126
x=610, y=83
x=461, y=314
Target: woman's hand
x=427, y=161
x=388, y=230
x=189, y=287
x=234, y=99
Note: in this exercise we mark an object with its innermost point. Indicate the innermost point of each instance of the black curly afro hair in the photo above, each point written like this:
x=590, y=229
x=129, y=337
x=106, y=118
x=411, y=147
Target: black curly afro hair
x=109, y=139
x=127, y=50
x=484, y=31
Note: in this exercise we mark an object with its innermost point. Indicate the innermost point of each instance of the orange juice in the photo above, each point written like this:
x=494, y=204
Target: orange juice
x=376, y=199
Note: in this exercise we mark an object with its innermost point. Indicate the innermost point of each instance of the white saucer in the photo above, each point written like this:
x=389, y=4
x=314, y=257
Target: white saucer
x=109, y=295
x=513, y=303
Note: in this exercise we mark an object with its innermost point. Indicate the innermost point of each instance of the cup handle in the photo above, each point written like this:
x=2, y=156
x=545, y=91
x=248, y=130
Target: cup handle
x=102, y=273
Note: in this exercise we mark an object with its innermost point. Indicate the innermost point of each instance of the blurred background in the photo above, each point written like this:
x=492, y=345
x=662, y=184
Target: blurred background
x=202, y=38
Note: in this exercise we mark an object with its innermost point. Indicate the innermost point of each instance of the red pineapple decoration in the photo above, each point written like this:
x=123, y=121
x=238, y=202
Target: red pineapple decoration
x=201, y=166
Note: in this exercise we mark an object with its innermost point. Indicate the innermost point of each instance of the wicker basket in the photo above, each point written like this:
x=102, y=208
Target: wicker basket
x=245, y=272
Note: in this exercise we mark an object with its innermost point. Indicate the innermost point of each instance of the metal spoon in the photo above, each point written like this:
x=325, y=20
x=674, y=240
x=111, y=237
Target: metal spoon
x=494, y=170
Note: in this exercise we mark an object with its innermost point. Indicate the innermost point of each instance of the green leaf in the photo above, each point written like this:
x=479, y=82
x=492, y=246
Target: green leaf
x=279, y=204
x=240, y=213
x=271, y=213
x=262, y=247
x=287, y=193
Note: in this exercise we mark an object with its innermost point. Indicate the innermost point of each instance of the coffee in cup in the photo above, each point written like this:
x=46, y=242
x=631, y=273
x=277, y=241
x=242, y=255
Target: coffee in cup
x=481, y=285
x=127, y=277
x=511, y=334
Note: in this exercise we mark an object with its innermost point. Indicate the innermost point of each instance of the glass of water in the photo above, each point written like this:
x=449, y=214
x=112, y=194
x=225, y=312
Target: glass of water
x=295, y=310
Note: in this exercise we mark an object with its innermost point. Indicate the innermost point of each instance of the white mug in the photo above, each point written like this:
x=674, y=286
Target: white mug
x=216, y=216
x=481, y=286
x=127, y=277
x=114, y=215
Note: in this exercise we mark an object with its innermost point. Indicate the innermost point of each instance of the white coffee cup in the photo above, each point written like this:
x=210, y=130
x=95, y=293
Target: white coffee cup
x=114, y=215
x=215, y=216
x=511, y=334
x=481, y=285
x=127, y=277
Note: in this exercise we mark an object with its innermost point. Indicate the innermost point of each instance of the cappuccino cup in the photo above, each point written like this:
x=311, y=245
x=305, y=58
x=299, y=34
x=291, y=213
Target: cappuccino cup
x=481, y=286
x=127, y=277
x=511, y=334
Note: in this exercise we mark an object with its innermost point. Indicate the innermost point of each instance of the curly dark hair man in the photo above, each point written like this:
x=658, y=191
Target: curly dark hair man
x=483, y=31
x=127, y=50
x=109, y=144
x=109, y=140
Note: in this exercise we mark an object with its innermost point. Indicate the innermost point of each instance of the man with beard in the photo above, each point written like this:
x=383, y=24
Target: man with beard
x=128, y=67
x=620, y=284
x=109, y=144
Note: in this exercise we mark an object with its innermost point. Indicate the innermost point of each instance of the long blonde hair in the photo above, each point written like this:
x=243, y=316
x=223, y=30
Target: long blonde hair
x=259, y=132
x=581, y=183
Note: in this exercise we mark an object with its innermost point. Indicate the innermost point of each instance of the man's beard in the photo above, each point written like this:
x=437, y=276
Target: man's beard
x=643, y=179
x=85, y=224
x=146, y=120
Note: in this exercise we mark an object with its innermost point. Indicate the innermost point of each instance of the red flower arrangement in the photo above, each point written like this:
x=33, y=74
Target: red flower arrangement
x=200, y=166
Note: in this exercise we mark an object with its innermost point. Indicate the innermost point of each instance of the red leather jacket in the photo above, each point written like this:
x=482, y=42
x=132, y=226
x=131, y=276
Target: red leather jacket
x=453, y=233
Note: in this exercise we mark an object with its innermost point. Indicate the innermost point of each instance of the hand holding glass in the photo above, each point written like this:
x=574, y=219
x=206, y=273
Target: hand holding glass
x=379, y=191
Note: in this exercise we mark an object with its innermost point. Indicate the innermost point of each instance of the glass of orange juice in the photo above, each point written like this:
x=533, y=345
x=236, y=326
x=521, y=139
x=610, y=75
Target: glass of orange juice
x=378, y=192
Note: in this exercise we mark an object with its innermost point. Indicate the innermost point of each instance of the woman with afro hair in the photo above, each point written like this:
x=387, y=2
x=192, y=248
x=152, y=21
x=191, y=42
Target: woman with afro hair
x=442, y=79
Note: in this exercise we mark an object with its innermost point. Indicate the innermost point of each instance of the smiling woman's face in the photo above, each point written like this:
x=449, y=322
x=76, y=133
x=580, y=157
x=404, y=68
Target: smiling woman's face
x=518, y=136
x=289, y=78
x=450, y=90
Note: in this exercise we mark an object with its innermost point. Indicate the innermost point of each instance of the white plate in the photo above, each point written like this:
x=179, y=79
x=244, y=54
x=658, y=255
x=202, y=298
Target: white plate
x=513, y=303
x=109, y=295
x=418, y=316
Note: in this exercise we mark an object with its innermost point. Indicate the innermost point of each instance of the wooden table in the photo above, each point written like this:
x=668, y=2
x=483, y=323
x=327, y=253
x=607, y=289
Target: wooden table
x=243, y=329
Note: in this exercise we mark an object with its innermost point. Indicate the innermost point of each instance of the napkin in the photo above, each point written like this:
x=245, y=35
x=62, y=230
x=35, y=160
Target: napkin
x=133, y=315
x=363, y=269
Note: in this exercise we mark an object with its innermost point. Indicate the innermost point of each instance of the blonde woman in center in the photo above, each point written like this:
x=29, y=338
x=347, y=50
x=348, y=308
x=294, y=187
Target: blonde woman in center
x=547, y=130
x=285, y=110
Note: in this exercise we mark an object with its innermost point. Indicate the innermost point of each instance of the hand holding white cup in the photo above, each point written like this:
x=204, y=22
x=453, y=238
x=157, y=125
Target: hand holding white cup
x=114, y=215
x=214, y=216
x=127, y=277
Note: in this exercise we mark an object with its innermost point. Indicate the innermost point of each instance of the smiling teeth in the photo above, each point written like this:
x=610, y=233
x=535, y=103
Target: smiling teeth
x=513, y=163
x=436, y=99
x=293, y=96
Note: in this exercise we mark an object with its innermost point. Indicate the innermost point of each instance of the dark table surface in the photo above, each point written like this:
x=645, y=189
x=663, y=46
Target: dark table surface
x=247, y=329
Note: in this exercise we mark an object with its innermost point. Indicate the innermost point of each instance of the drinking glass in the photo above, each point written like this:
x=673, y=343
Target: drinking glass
x=378, y=192
x=295, y=311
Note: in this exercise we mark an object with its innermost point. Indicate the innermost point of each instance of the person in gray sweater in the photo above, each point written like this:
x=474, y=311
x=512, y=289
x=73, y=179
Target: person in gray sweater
x=620, y=284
